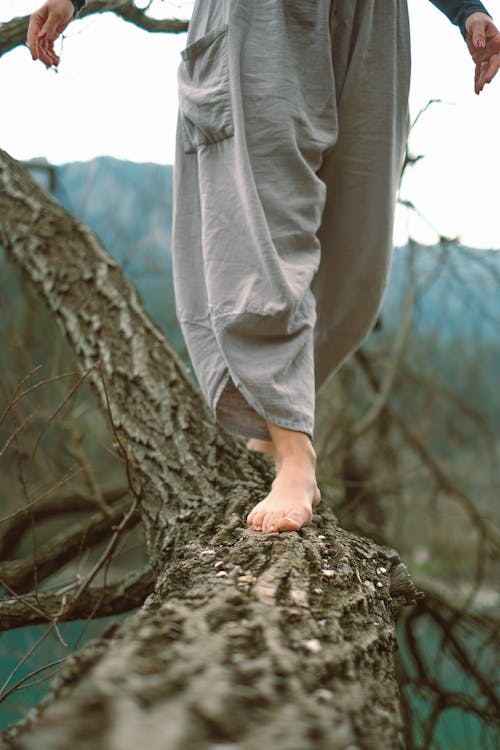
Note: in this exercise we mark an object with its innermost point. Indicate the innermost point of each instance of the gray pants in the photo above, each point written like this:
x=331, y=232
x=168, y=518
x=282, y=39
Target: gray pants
x=292, y=125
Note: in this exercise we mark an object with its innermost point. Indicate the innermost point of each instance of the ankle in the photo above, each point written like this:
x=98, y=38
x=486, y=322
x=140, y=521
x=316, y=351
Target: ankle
x=291, y=445
x=295, y=454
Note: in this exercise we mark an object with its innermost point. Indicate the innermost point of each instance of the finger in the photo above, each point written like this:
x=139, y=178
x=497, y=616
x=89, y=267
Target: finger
x=493, y=45
x=477, y=30
x=50, y=57
x=46, y=52
x=53, y=25
x=480, y=56
x=490, y=30
x=477, y=76
x=48, y=46
x=36, y=23
x=491, y=70
x=487, y=72
x=480, y=79
x=45, y=57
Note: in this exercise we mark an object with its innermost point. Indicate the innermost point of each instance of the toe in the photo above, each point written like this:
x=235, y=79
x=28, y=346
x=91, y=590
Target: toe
x=257, y=520
x=268, y=523
x=295, y=520
x=252, y=514
x=290, y=522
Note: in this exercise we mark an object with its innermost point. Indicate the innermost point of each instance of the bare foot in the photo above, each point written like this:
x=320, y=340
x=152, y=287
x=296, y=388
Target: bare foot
x=294, y=492
x=261, y=446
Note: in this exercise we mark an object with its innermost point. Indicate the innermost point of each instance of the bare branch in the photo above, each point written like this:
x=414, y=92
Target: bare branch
x=282, y=600
x=15, y=670
x=382, y=394
x=130, y=12
x=434, y=386
x=442, y=479
x=53, y=555
x=459, y=652
x=48, y=507
x=438, y=595
x=95, y=601
x=16, y=392
x=13, y=33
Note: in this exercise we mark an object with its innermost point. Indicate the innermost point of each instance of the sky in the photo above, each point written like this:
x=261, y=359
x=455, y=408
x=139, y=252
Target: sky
x=114, y=93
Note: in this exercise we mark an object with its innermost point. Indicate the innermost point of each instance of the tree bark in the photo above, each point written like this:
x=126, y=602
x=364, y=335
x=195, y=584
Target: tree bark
x=248, y=640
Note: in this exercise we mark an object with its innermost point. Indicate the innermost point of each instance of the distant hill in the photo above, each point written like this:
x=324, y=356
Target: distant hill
x=129, y=206
x=458, y=290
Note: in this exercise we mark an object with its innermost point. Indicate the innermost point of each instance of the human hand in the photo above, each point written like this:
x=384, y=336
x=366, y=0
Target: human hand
x=45, y=25
x=483, y=42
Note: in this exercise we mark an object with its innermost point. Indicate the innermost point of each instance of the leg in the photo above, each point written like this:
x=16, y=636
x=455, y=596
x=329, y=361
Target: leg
x=261, y=446
x=294, y=492
x=362, y=174
x=249, y=201
x=248, y=205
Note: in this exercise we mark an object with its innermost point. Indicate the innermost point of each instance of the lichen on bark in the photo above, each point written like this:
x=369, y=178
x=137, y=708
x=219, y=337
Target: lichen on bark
x=248, y=640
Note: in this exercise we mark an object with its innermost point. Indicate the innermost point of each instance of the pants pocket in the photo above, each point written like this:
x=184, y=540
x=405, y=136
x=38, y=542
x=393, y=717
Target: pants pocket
x=204, y=95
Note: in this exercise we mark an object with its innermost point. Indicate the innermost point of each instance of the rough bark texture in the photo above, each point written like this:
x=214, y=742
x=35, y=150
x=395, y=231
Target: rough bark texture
x=282, y=641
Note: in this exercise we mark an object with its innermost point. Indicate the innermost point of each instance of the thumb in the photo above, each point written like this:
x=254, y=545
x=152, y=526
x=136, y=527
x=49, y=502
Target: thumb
x=478, y=26
x=478, y=29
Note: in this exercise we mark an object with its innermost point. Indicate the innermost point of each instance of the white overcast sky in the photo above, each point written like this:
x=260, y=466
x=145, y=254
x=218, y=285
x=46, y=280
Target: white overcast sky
x=115, y=94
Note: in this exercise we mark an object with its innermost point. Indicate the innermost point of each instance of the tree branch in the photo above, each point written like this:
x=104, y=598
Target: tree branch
x=13, y=33
x=127, y=10
x=440, y=477
x=19, y=575
x=299, y=627
x=17, y=523
x=95, y=601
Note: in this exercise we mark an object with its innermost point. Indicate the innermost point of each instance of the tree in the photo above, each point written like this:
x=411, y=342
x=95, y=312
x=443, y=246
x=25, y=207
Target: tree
x=297, y=631
x=13, y=33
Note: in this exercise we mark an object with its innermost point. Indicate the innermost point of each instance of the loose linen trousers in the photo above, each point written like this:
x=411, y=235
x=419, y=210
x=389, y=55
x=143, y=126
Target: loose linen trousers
x=291, y=132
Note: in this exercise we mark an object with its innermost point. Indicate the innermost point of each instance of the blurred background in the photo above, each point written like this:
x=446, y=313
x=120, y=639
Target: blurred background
x=408, y=431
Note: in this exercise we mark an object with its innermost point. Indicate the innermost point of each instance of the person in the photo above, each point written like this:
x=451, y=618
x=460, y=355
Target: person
x=293, y=118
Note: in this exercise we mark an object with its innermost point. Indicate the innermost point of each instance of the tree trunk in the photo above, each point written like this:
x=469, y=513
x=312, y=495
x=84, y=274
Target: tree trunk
x=282, y=641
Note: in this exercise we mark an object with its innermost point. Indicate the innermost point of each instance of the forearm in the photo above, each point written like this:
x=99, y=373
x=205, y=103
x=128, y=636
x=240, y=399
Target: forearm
x=459, y=10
